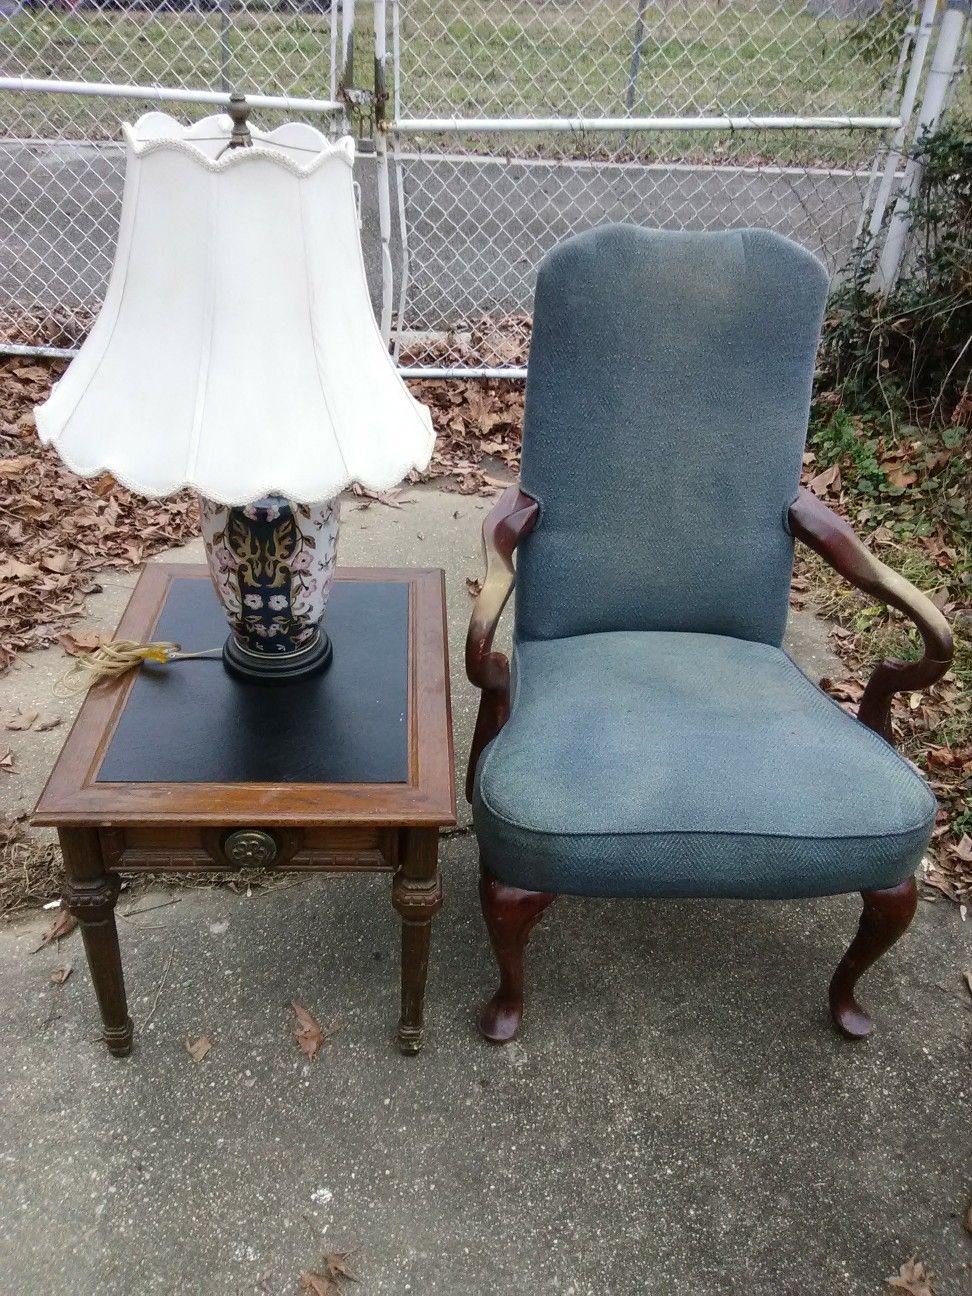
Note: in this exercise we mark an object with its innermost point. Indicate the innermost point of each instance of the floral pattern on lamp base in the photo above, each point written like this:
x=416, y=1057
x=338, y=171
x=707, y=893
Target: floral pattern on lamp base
x=272, y=563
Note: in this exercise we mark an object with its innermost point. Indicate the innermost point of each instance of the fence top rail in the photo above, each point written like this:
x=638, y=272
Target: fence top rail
x=463, y=371
x=488, y=125
x=163, y=94
x=406, y=371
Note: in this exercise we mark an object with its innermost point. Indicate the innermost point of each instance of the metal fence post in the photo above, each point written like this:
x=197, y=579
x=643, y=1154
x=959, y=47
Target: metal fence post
x=944, y=64
x=905, y=110
x=399, y=174
x=382, y=177
x=639, y=36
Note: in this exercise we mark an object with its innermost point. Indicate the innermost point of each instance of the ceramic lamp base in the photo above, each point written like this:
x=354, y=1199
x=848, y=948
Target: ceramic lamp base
x=261, y=669
x=272, y=564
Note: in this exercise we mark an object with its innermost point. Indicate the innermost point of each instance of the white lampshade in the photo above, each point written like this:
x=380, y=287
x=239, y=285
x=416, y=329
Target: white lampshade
x=237, y=351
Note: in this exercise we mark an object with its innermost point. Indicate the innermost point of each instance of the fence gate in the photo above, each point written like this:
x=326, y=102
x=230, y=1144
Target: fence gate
x=518, y=122
x=499, y=127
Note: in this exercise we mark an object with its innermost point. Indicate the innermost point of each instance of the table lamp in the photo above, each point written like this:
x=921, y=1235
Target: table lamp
x=237, y=354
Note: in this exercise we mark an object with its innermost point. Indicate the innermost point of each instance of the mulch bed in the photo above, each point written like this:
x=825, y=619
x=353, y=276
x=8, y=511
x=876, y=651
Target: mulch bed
x=58, y=531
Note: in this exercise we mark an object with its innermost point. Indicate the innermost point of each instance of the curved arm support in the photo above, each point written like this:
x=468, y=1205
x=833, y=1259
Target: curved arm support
x=834, y=540
x=513, y=516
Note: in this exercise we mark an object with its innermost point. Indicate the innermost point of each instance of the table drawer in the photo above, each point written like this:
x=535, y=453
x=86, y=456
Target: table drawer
x=184, y=850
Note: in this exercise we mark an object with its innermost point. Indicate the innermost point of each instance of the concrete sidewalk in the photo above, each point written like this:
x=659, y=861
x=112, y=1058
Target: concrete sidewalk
x=678, y=1118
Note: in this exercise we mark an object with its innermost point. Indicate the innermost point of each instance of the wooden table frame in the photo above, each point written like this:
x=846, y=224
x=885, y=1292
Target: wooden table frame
x=107, y=829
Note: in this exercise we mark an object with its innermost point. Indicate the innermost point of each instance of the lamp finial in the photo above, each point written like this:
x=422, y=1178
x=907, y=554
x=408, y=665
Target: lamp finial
x=239, y=111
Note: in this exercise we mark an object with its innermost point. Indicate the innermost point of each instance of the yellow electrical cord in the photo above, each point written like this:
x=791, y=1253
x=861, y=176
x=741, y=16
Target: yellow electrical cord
x=115, y=658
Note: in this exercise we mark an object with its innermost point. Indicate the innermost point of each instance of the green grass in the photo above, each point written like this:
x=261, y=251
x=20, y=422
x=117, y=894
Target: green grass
x=556, y=59
x=267, y=52
x=493, y=58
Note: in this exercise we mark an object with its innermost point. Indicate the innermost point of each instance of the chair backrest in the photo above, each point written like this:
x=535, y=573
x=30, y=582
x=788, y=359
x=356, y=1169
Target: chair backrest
x=667, y=401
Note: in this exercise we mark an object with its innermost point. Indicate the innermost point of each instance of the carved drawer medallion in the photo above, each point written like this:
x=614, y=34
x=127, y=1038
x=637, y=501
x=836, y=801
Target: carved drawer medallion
x=250, y=848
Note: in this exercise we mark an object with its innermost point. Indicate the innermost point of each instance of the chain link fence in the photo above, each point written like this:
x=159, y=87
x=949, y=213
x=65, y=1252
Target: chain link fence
x=61, y=165
x=478, y=224
x=508, y=125
x=481, y=207
x=607, y=58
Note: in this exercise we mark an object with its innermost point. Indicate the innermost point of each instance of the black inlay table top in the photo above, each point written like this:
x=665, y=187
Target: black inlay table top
x=183, y=748
x=192, y=722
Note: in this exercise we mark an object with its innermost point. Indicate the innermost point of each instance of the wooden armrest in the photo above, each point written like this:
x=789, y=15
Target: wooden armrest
x=513, y=516
x=834, y=540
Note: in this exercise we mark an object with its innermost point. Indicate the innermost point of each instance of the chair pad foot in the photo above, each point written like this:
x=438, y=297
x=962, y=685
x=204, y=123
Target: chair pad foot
x=499, y=1023
x=851, y=1020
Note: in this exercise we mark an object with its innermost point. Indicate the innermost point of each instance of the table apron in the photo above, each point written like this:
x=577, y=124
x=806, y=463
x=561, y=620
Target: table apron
x=190, y=849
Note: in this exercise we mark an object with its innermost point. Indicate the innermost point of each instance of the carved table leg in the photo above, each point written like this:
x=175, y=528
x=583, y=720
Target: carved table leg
x=90, y=894
x=886, y=917
x=511, y=915
x=417, y=895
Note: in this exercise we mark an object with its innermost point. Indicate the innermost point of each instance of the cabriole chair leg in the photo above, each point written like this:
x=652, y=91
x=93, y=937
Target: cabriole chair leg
x=510, y=914
x=886, y=917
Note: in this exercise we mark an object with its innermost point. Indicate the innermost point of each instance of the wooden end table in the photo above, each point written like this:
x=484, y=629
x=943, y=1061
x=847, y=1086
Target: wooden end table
x=181, y=768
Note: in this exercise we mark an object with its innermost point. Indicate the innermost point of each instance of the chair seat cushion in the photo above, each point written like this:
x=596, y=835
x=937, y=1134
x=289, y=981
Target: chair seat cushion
x=663, y=764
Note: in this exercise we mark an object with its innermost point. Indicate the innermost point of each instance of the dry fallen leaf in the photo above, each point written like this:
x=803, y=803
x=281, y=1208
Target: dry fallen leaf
x=337, y=1264
x=15, y=720
x=11, y=467
x=318, y=1284
x=61, y=974
x=60, y=563
x=474, y=585
x=62, y=925
x=337, y=1269
x=198, y=1048
x=45, y=722
x=847, y=690
x=6, y=760
x=32, y=373
x=307, y=1031
x=80, y=641
x=823, y=481
x=902, y=477
x=14, y=569
x=914, y=1278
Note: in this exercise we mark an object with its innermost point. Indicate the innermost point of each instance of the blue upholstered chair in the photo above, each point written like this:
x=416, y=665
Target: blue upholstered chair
x=657, y=740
